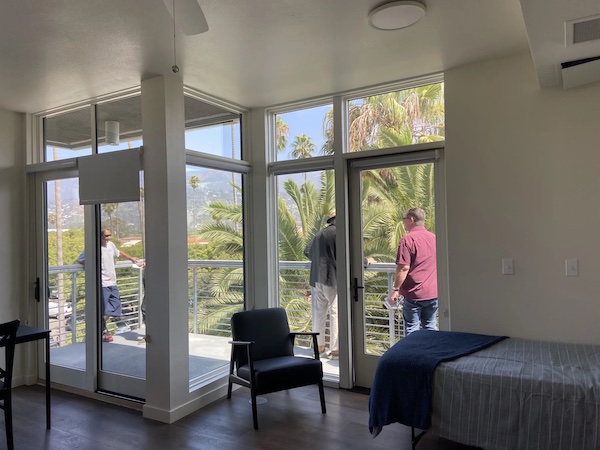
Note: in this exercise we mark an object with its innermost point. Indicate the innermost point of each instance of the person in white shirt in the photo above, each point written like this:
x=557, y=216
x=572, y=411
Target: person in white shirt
x=111, y=299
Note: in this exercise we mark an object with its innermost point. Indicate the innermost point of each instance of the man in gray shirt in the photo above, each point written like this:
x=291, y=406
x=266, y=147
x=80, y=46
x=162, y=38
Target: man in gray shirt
x=323, y=281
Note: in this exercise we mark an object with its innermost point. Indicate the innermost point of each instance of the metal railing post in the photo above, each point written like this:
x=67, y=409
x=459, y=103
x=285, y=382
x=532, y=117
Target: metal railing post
x=74, y=307
x=195, y=296
x=140, y=296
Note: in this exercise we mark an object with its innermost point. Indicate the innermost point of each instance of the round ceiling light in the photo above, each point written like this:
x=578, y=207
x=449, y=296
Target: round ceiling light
x=396, y=15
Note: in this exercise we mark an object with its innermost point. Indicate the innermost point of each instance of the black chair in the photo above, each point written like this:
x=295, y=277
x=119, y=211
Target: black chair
x=262, y=356
x=8, y=337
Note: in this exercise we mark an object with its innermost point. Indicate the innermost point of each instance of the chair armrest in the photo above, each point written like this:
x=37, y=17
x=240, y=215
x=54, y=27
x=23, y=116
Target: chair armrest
x=307, y=333
x=241, y=342
x=249, y=345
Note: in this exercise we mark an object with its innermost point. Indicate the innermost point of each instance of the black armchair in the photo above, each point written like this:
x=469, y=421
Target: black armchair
x=8, y=337
x=262, y=356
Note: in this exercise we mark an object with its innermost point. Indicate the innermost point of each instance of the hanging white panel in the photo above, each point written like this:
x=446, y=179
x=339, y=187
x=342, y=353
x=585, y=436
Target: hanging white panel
x=109, y=177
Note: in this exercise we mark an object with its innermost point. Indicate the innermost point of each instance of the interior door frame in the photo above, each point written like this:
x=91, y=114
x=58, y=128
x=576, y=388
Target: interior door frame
x=363, y=364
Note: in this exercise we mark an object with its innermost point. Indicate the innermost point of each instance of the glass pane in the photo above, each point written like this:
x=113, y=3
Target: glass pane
x=304, y=133
x=212, y=129
x=68, y=135
x=215, y=259
x=119, y=124
x=305, y=203
x=66, y=278
x=123, y=327
x=386, y=194
x=406, y=117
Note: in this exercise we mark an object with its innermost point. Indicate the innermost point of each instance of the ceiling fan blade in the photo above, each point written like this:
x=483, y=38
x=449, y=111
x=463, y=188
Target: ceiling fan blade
x=188, y=16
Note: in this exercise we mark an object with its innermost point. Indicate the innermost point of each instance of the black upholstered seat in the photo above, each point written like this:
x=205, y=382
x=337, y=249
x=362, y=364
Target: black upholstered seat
x=262, y=356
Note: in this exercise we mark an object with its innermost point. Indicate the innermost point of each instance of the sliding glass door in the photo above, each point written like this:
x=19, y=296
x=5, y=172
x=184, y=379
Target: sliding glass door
x=70, y=293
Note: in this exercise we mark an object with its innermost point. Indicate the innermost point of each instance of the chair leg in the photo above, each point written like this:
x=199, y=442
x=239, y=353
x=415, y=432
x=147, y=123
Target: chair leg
x=8, y=421
x=322, y=395
x=254, y=411
x=229, y=388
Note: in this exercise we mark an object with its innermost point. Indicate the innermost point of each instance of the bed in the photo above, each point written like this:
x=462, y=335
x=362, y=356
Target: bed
x=490, y=392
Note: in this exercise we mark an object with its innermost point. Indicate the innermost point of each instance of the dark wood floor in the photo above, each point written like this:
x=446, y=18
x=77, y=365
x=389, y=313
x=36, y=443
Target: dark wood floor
x=289, y=420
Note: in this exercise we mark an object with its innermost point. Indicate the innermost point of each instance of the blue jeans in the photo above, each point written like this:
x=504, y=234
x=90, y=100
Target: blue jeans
x=423, y=313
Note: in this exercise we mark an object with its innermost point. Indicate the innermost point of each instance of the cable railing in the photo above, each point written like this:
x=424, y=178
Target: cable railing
x=215, y=292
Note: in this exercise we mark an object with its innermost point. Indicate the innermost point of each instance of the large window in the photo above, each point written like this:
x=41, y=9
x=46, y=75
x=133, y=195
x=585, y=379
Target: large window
x=212, y=129
x=215, y=265
x=304, y=133
x=305, y=202
x=215, y=232
x=68, y=135
x=398, y=118
x=119, y=124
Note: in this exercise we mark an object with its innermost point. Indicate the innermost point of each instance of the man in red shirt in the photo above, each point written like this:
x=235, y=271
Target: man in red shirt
x=416, y=274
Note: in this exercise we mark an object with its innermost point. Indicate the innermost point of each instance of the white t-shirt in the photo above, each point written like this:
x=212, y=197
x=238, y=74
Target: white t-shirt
x=109, y=274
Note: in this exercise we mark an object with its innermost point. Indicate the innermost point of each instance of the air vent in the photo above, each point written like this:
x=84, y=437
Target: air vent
x=582, y=30
x=586, y=31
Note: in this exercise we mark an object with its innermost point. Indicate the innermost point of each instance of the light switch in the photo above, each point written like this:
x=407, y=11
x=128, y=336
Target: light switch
x=571, y=268
x=507, y=266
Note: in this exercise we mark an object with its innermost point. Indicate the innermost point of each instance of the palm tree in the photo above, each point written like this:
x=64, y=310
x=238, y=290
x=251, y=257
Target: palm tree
x=109, y=209
x=282, y=132
x=391, y=120
x=194, y=182
x=226, y=285
x=410, y=116
x=314, y=206
x=302, y=148
x=387, y=194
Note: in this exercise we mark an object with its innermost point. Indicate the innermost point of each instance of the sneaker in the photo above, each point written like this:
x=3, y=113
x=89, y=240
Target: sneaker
x=334, y=354
x=107, y=338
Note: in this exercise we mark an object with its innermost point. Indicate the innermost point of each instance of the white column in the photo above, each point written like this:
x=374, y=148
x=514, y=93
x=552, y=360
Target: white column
x=262, y=268
x=167, y=361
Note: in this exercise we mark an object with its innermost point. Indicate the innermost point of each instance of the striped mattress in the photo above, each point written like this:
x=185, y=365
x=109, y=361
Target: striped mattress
x=520, y=394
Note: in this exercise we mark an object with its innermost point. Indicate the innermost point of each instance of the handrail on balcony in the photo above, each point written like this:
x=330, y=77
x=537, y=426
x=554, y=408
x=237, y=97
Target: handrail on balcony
x=294, y=292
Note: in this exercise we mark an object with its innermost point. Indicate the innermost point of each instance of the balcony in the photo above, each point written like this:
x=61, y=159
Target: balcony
x=215, y=293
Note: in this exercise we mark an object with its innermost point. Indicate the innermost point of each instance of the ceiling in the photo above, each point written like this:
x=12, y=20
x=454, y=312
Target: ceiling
x=265, y=52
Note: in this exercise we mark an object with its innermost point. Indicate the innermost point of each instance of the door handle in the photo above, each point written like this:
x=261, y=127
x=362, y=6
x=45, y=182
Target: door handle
x=36, y=289
x=355, y=288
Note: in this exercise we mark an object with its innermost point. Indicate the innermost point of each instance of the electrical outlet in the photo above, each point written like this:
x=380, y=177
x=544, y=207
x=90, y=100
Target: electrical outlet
x=507, y=266
x=571, y=268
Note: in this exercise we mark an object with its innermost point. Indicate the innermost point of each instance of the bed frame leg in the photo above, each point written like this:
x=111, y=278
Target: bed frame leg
x=415, y=439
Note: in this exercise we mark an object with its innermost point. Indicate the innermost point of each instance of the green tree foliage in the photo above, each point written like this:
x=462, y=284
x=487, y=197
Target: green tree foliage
x=302, y=147
x=410, y=116
x=282, y=132
x=73, y=243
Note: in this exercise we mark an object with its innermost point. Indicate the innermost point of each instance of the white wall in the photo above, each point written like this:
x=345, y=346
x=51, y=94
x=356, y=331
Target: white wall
x=522, y=182
x=12, y=200
x=12, y=224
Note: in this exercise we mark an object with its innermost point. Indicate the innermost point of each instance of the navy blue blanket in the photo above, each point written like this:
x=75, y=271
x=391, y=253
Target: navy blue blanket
x=402, y=387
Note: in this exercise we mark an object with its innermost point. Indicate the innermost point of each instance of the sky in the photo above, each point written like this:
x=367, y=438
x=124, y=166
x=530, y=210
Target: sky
x=306, y=121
